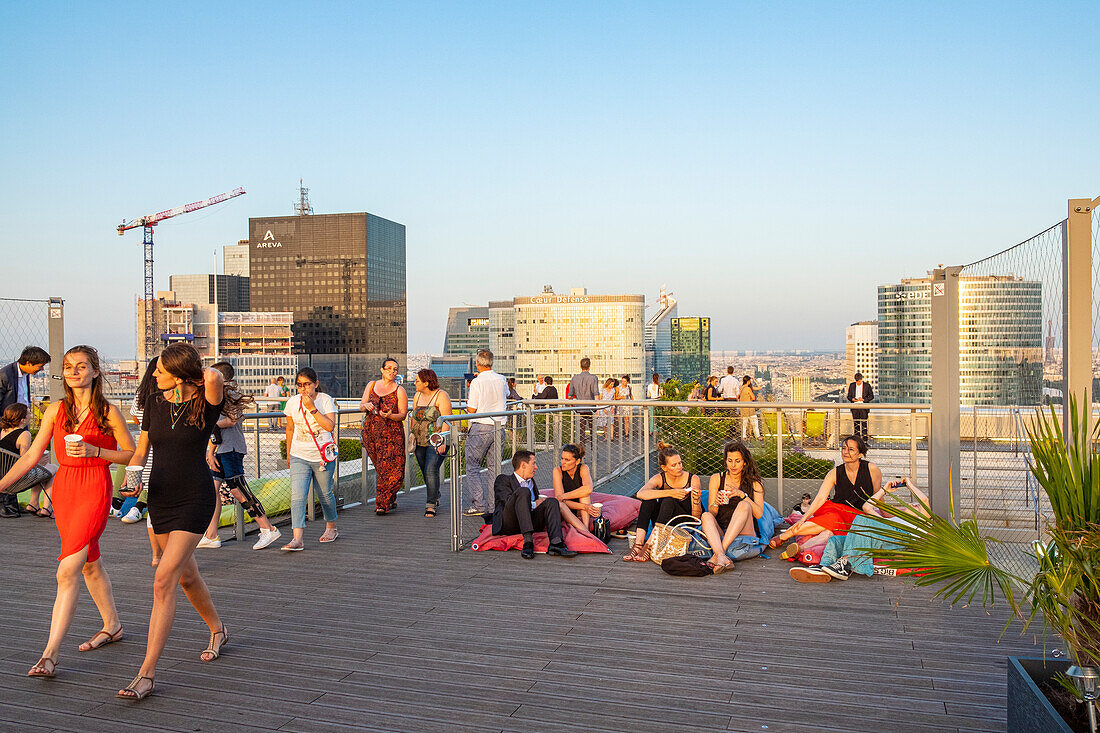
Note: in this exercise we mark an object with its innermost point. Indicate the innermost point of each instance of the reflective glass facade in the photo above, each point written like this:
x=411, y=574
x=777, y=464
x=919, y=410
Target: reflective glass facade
x=690, y=349
x=1000, y=341
x=343, y=278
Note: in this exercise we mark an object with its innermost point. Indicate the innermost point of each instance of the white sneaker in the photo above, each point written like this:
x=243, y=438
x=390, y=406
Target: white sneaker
x=267, y=536
x=134, y=515
x=209, y=543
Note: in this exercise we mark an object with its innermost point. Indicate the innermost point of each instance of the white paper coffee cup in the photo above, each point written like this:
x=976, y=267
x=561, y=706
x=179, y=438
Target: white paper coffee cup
x=598, y=505
x=70, y=442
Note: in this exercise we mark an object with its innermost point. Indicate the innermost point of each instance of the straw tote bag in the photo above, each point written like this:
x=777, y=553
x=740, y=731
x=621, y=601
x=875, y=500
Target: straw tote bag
x=672, y=540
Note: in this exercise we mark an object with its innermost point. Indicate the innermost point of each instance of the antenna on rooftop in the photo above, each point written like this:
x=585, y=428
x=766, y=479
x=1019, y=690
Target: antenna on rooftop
x=303, y=207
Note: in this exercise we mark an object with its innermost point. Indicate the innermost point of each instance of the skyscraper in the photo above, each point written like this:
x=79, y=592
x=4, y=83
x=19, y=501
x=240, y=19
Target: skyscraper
x=1000, y=341
x=658, y=336
x=467, y=330
x=235, y=258
x=341, y=275
x=861, y=351
x=230, y=291
x=690, y=339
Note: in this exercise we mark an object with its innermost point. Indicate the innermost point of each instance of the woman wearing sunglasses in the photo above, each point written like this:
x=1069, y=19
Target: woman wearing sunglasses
x=310, y=418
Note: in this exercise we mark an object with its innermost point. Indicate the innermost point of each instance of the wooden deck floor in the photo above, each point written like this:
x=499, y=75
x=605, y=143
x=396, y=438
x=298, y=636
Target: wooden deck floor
x=386, y=630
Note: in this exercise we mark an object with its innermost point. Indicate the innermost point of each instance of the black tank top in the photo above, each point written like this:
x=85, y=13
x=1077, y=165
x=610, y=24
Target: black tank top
x=664, y=482
x=571, y=483
x=854, y=495
x=8, y=442
x=725, y=511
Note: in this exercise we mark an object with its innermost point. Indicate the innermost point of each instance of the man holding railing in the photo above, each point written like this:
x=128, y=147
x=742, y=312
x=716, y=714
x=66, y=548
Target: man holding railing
x=488, y=393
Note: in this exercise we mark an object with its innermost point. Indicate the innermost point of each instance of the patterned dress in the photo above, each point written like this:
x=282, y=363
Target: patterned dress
x=384, y=441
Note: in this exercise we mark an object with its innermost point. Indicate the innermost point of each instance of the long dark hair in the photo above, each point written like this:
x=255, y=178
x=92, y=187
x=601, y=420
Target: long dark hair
x=183, y=362
x=98, y=406
x=148, y=386
x=234, y=398
x=750, y=474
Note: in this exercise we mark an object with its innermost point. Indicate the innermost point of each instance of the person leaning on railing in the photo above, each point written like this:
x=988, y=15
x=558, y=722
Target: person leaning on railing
x=670, y=493
x=429, y=403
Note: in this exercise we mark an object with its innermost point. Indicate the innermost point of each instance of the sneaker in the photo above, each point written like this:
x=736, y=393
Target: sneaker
x=134, y=515
x=267, y=536
x=812, y=574
x=209, y=543
x=840, y=570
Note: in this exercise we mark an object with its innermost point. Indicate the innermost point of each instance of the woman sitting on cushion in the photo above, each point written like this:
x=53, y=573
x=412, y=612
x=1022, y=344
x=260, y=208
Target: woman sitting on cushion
x=736, y=501
x=850, y=553
x=673, y=491
x=573, y=490
x=852, y=483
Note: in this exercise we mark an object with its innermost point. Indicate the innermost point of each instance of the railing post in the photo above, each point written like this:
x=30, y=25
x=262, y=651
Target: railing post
x=530, y=427
x=1077, y=312
x=645, y=439
x=256, y=434
x=362, y=471
x=456, y=498
x=409, y=458
x=974, y=467
x=495, y=453
x=595, y=445
x=913, y=444
x=944, y=439
x=779, y=455
x=336, y=473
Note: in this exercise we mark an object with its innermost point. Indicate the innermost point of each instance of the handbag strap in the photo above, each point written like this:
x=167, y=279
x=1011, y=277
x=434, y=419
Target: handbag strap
x=309, y=427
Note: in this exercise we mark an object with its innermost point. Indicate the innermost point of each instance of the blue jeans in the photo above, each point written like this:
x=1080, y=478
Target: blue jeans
x=430, y=460
x=301, y=473
x=232, y=464
x=857, y=547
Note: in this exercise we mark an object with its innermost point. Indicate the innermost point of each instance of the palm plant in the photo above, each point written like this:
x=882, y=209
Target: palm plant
x=953, y=557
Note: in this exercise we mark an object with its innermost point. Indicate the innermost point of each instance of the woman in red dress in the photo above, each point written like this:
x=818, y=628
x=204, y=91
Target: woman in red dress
x=81, y=496
x=386, y=404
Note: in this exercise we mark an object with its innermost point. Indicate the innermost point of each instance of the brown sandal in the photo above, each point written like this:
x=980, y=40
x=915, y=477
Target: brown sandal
x=638, y=553
x=131, y=692
x=215, y=651
x=49, y=671
x=108, y=638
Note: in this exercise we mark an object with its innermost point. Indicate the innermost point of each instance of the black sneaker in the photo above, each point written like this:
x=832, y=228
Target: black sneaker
x=839, y=570
x=528, y=552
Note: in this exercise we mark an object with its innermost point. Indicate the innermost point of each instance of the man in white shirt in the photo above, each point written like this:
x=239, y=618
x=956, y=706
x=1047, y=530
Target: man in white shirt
x=729, y=385
x=488, y=393
x=272, y=392
x=540, y=385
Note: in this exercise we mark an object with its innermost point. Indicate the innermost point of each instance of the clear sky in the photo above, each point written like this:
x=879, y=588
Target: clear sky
x=770, y=162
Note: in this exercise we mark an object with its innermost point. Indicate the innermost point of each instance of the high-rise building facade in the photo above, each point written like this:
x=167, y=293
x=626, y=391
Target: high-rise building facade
x=861, y=351
x=343, y=278
x=502, y=336
x=1000, y=341
x=230, y=291
x=800, y=388
x=690, y=350
x=658, y=336
x=467, y=330
x=235, y=258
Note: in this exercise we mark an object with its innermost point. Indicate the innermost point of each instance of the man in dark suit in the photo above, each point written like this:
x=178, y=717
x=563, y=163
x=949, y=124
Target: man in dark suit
x=860, y=391
x=520, y=509
x=15, y=378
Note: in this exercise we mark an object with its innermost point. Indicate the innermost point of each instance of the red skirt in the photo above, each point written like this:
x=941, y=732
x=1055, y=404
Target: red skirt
x=837, y=518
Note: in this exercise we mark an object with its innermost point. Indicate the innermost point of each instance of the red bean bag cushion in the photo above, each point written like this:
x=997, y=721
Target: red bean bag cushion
x=621, y=511
x=574, y=540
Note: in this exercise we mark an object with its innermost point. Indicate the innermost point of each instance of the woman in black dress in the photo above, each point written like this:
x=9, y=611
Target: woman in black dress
x=736, y=501
x=177, y=424
x=573, y=490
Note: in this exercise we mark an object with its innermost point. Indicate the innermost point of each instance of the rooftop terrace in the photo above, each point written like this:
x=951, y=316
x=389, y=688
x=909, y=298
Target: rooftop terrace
x=387, y=630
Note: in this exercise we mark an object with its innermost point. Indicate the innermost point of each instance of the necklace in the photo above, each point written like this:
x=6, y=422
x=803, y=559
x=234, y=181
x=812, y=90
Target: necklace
x=176, y=414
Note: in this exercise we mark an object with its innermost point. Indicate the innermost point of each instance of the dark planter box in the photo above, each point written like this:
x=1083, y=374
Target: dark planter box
x=1029, y=711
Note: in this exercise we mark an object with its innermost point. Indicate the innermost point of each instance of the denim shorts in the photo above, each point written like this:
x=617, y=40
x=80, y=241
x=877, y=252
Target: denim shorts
x=232, y=464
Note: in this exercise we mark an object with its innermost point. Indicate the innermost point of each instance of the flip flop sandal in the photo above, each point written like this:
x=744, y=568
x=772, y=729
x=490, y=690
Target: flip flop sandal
x=324, y=538
x=131, y=692
x=44, y=512
x=91, y=644
x=429, y=511
x=47, y=671
x=719, y=569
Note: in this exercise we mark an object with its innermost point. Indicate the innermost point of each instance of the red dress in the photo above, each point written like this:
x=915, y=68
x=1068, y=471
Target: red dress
x=384, y=441
x=82, y=488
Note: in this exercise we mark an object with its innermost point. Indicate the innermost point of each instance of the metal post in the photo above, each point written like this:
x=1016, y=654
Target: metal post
x=409, y=459
x=913, y=444
x=495, y=453
x=336, y=471
x=645, y=440
x=974, y=471
x=362, y=471
x=57, y=349
x=595, y=445
x=530, y=428
x=456, y=498
x=779, y=455
x=943, y=454
x=256, y=434
x=1077, y=307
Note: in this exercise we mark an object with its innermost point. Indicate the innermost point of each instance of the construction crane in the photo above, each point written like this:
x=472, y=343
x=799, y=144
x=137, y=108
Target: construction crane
x=147, y=223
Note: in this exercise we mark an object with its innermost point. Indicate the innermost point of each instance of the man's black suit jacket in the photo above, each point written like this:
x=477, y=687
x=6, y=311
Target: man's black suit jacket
x=9, y=384
x=505, y=485
x=868, y=396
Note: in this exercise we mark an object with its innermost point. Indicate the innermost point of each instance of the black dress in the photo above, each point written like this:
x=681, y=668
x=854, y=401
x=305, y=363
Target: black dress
x=181, y=490
x=725, y=511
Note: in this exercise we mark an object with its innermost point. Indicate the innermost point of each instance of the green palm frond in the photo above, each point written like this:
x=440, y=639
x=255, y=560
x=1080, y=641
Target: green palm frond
x=952, y=556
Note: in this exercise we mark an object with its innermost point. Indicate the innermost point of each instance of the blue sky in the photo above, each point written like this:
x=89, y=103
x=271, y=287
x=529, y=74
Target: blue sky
x=770, y=162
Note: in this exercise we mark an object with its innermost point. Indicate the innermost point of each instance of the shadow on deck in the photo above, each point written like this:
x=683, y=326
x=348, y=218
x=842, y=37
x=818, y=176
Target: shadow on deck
x=386, y=630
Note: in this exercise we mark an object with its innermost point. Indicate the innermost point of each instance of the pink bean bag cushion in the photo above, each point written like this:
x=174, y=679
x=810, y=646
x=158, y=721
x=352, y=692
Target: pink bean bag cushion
x=620, y=511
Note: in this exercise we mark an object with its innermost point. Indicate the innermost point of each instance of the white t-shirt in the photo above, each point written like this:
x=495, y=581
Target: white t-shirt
x=488, y=393
x=272, y=390
x=730, y=387
x=302, y=445
x=653, y=391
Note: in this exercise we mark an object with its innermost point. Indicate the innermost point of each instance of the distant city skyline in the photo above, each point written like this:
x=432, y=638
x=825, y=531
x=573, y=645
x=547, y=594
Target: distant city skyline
x=771, y=163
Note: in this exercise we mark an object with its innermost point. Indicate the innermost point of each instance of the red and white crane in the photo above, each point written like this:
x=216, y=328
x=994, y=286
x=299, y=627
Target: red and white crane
x=147, y=223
